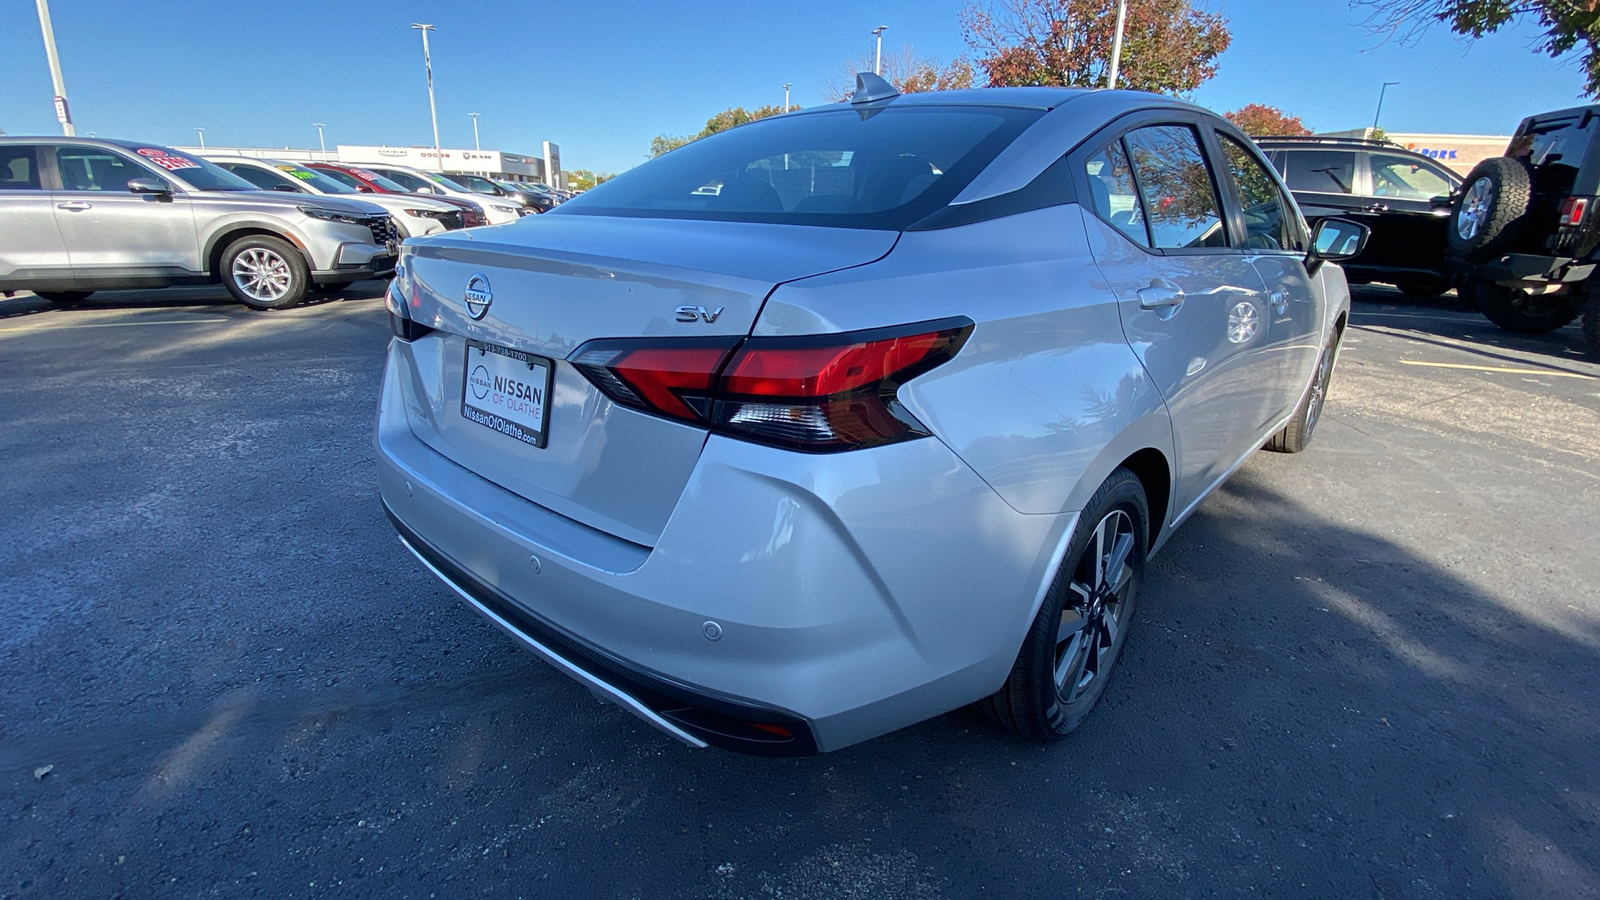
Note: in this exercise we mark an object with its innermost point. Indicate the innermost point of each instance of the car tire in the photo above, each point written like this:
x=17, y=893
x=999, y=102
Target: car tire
x=1591, y=326
x=63, y=297
x=1491, y=210
x=1296, y=435
x=1075, y=640
x=1518, y=311
x=264, y=272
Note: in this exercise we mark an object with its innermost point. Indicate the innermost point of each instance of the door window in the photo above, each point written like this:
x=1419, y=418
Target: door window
x=1405, y=178
x=1321, y=171
x=19, y=169
x=1180, y=200
x=1115, y=196
x=91, y=169
x=1269, y=221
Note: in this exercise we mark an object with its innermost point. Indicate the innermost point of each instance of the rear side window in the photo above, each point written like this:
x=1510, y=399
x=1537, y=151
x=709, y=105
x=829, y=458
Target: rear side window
x=1180, y=200
x=19, y=169
x=1268, y=220
x=1321, y=171
x=89, y=169
x=1115, y=196
x=846, y=168
x=1406, y=178
x=261, y=178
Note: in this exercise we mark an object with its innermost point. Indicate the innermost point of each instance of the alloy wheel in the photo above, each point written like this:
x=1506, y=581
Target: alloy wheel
x=262, y=274
x=1475, y=208
x=1096, y=609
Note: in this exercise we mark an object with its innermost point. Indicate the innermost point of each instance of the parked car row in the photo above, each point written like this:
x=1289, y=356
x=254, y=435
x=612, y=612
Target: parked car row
x=82, y=215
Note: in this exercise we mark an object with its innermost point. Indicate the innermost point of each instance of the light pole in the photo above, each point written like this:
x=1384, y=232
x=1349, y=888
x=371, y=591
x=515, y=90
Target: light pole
x=202, y=133
x=62, y=113
x=1381, y=92
x=877, y=60
x=320, y=141
x=1116, y=44
x=786, y=97
x=475, y=144
x=427, y=63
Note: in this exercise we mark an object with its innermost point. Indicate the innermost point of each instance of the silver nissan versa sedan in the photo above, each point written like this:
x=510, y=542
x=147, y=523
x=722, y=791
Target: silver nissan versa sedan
x=888, y=423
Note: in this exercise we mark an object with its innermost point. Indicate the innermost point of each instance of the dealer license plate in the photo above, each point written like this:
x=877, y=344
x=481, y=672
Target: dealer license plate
x=507, y=390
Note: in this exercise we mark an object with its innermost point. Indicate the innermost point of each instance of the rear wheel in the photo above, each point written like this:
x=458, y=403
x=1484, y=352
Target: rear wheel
x=63, y=296
x=1423, y=288
x=1078, y=635
x=1296, y=435
x=264, y=272
x=1517, y=310
x=1591, y=326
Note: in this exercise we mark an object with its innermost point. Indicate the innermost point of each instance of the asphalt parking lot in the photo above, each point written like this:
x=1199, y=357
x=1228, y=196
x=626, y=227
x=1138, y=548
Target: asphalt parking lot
x=1372, y=669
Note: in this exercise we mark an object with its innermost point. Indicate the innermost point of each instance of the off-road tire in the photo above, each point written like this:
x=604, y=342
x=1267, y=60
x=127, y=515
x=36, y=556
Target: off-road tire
x=1296, y=435
x=1496, y=213
x=1518, y=311
x=1591, y=326
x=1423, y=288
x=63, y=297
x=1029, y=702
x=296, y=275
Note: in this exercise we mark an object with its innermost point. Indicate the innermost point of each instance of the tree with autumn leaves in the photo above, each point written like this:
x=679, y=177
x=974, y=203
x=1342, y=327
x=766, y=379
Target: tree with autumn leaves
x=1257, y=120
x=1169, y=46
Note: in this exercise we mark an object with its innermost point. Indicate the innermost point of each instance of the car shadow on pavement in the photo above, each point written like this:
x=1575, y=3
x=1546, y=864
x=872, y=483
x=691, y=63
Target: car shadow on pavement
x=196, y=297
x=1444, y=318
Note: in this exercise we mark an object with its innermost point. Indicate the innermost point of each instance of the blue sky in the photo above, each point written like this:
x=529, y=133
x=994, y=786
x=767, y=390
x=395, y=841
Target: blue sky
x=602, y=78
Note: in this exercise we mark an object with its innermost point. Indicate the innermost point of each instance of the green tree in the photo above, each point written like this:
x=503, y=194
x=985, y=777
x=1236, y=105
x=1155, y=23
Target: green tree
x=583, y=179
x=1258, y=120
x=1169, y=46
x=1567, y=25
x=731, y=117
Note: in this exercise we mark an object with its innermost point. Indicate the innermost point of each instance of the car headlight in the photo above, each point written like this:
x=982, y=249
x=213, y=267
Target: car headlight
x=426, y=213
x=330, y=215
x=499, y=208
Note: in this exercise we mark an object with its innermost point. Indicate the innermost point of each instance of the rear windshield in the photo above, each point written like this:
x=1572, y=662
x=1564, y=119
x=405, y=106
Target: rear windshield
x=843, y=168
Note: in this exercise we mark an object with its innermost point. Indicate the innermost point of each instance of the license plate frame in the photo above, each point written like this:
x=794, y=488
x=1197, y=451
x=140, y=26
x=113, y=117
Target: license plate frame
x=495, y=360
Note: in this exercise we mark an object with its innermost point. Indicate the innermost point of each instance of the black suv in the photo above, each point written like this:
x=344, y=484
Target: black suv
x=1525, y=229
x=1403, y=197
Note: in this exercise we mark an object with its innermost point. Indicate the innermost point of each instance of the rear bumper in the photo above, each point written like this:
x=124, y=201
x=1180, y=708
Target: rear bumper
x=850, y=595
x=1514, y=268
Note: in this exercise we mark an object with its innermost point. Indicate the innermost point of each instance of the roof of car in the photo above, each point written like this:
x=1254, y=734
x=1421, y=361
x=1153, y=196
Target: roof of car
x=1041, y=98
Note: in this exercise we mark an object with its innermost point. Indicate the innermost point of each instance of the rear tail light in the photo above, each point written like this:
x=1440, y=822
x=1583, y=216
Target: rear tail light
x=818, y=394
x=400, y=322
x=1573, y=210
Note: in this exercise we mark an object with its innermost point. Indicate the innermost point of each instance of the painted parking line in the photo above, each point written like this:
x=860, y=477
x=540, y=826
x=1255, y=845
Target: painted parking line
x=1503, y=369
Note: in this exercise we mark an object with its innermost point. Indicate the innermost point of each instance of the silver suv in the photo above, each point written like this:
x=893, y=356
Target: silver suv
x=79, y=215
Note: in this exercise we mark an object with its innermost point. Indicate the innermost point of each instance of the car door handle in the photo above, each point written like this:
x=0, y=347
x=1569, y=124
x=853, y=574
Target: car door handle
x=1378, y=208
x=75, y=205
x=1160, y=294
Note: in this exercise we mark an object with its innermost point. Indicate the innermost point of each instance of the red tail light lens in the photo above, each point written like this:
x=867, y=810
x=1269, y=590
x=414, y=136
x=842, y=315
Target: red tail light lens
x=820, y=393
x=1573, y=209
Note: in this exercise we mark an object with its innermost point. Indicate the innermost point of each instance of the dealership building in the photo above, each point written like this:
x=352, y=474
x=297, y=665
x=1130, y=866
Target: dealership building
x=446, y=160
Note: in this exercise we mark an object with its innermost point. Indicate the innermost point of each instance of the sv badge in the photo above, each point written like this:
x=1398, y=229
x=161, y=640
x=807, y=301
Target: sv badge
x=698, y=313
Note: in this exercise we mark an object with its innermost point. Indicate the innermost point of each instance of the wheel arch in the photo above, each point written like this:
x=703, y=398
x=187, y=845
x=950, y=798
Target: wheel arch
x=220, y=242
x=1154, y=472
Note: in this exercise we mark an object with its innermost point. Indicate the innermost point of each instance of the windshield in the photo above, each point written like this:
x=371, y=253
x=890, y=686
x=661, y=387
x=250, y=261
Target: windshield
x=388, y=184
x=480, y=185
x=453, y=185
x=193, y=172
x=317, y=180
x=842, y=168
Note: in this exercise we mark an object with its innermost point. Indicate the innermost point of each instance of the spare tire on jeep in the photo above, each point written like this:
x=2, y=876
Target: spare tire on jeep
x=1491, y=210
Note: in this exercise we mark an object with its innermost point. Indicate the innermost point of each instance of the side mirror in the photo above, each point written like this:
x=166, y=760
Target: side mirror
x=1334, y=240
x=149, y=186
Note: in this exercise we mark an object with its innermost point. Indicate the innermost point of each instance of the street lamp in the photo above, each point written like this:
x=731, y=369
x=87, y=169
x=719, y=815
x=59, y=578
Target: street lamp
x=427, y=63
x=786, y=97
x=62, y=113
x=1381, y=92
x=475, y=144
x=202, y=133
x=877, y=62
x=1116, y=45
x=320, y=141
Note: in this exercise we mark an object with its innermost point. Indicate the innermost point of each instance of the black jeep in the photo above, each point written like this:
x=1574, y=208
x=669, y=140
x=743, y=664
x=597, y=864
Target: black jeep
x=1525, y=229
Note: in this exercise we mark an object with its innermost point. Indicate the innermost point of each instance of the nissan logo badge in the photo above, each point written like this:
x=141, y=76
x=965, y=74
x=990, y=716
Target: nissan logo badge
x=478, y=297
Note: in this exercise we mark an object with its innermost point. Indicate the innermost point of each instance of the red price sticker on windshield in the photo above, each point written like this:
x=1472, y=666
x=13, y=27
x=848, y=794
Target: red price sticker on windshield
x=173, y=163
